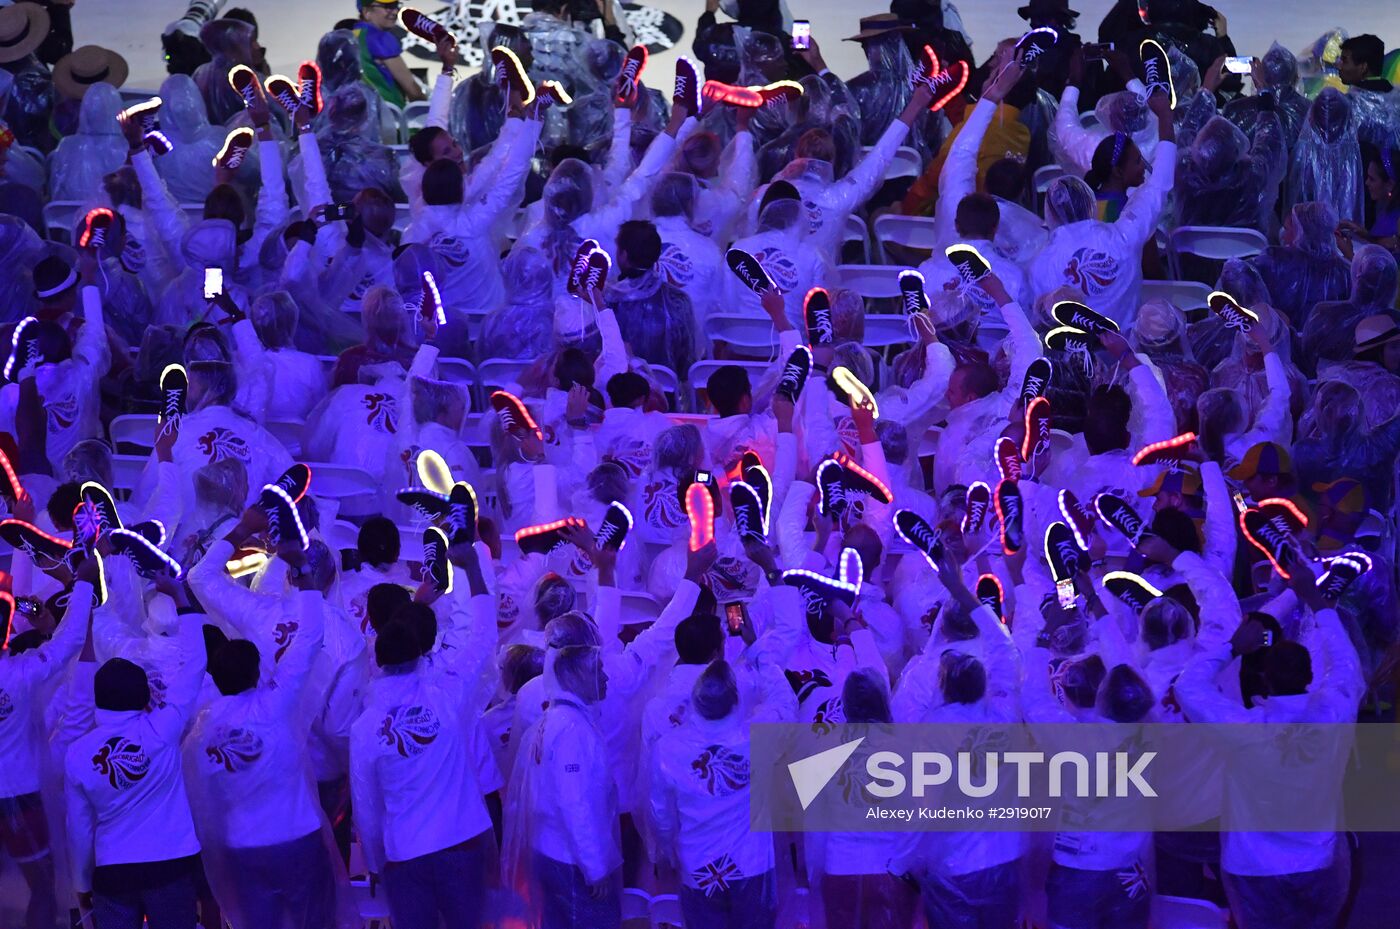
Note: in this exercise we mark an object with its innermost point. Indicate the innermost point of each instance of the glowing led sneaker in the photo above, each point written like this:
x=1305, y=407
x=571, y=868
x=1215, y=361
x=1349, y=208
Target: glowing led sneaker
x=915, y=530
x=437, y=569
x=309, y=86
x=244, y=80
x=288, y=96
x=747, y=268
x=968, y=262
x=686, y=92
x=1157, y=70
x=816, y=310
x=423, y=26
x=913, y=297
x=617, y=523
x=795, y=373
x=235, y=149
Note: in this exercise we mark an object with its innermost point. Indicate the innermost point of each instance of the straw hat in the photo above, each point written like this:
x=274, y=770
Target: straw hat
x=83, y=67
x=23, y=27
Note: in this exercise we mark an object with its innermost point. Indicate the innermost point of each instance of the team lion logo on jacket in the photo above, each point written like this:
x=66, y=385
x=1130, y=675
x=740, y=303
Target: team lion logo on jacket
x=661, y=505
x=62, y=413
x=383, y=412
x=122, y=762
x=721, y=770
x=234, y=750
x=221, y=444
x=1091, y=271
x=676, y=266
x=450, y=248
x=282, y=635
x=781, y=268
x=409, y=730
x=804, y=682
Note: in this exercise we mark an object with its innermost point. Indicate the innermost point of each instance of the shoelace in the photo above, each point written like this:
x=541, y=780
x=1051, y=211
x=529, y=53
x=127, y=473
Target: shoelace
x=289, y=99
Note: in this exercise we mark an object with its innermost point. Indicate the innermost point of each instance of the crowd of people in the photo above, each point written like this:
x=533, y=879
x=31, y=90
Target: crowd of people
x=236, y=690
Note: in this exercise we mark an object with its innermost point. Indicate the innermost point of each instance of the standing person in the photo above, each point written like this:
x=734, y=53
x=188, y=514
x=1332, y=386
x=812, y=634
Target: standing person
x=700, y=798
x=1382, y=180
x=24, y=831
x=1280, y=880
x=250, y=780
x=418, y=805
x=563, y=844
x=1362, y=64
x=381, y=53
x=131, y=836
x=1103, y=260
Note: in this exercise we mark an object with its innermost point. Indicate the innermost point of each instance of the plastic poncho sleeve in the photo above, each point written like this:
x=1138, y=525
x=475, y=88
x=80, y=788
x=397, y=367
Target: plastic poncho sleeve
x=1342, y=680
x=183, y=686
x=619, y=161
x=1269, y=155
x=959, y=175
x=293, y=669
x=1198, y=694
x=483, y=177
x=1274, y=423
x=658, y=640
x=366, y=794
x=317, y=190
x=82, y=834
x=613, y=359
x=865, y=178
x=93, y=350
x=167, y=220
x=272, y=208
x=1195, y=113
x=636, y=188
x=928, y=391
x=878, y=516
x=440, y=102
x=1023, y=347
x=1219, y=607
x=1152, y=419
x=1075, y=143
x=504, y=191
x=784, y=467
x=227, y=600
x=1145, y=205
x=580, y=774
x=740, y=178
x=791, y=524
x=53, y=656
x=1219, y=527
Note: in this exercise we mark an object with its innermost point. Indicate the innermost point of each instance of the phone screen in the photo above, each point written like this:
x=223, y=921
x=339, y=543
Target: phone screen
x=801, y=34
x=1239, y=502
x=702, y=477
x=213, y=283
x=734, y=616
x=1065, y=591
x=1236, y=64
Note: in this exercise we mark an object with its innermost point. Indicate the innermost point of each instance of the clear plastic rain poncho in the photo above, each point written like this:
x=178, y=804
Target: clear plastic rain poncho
x=825, y=104
x=762, y=60
x=656, y=320
x=1333, y=439
x=230, y=42
x=28, y=107
x=98, y=148
x=20, y=249
x=588, y=122
x=1223, y=180
x=1068, y=200
x=188, y=170
x=524, y=327
x=338, y=57
x=1327, y=158
x=883, y=90
x=1306, y=269
x=355, y=159
x=478, y=105
x=1330, y=332
x=568, y=195
x=1242, y=367
x=1279, y=74
x=1159, y=332
x=1377, y=116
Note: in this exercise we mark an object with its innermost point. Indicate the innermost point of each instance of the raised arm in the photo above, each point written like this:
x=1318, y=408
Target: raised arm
x=1145, y=205
x=959, y=175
